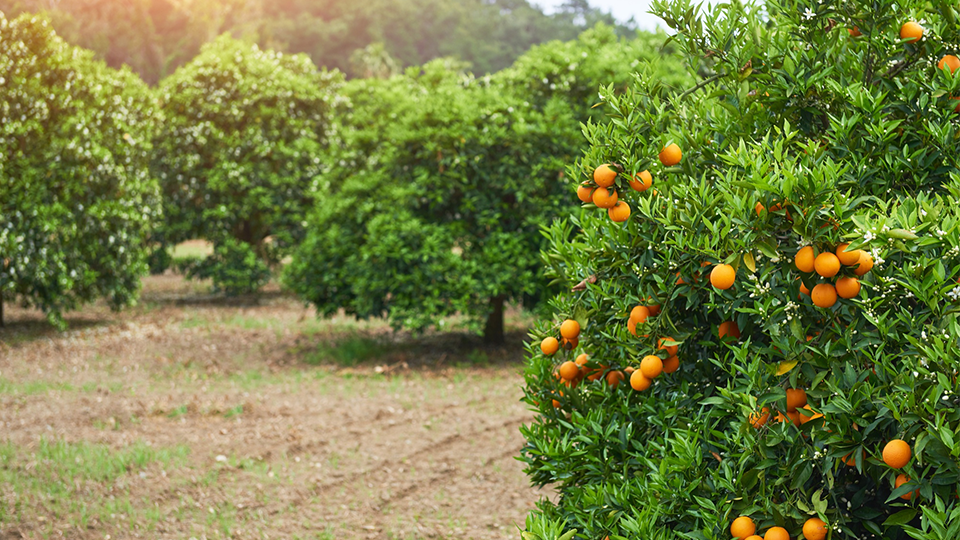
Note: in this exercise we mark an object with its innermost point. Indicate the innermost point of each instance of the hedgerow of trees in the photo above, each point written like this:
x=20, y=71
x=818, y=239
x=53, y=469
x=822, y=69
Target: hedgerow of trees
x=76, y=198
x=761, y=288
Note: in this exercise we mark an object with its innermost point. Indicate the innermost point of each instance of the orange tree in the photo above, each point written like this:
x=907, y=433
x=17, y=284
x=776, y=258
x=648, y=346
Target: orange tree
x=766, y=339
x=437, y=194
x=77, y=202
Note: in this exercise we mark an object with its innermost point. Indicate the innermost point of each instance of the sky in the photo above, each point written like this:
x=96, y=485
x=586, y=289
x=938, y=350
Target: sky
x=621, y=9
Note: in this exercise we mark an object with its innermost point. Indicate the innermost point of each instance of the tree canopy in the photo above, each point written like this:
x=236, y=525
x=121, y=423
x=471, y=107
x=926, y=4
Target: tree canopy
x=154, y=37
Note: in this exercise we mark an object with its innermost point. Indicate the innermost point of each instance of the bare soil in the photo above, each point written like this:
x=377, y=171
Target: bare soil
x=282, y=425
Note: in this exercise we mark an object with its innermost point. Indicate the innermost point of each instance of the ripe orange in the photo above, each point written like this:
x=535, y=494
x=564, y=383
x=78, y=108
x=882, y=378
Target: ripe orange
x=723, y=276
x=814, y=529
x=949, y=61
x=848, y=258
x=670, y=155
x=582, y=359
x=671, y=349
x=848, y=287
x=827, y=264
x=639, y=382
x=911, y=31
x=901, y=480
x=549, y=345
x=620, y=212
x=755, y=537
x=896, y=453
x=639, y=313
x=804, y=259
x=849, y=460
x=642, y=181
x=865, y=264
x=651, y=366
x=556, y=404
x=730, y=329
x=614, y=378
x=776, y=533
x=671, y=364
x=796, y=397
x=585, y=193
x=759, y=208
x=804, y=289
x=569, y=370
x=813, y=415
x=792, y=417
x=854, y=32
x=569, y=344
x=759, y=418
x=629, y=370
x=654, y=308
x=605, y=198
x=604, y=176
x=570, y=328
x=824, y=295
x=742, y=527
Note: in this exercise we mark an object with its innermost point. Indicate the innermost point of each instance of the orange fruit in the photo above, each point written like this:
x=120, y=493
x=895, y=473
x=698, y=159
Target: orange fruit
x=670, y=155
x=651, y=366
x=742, y=527
x=901, y=480
x=605, y=198
x=911, y=31
x=629, y=370
x=848, y=258
x=604, y=176
x=796, y=398
x=896, y=453
x=848, y=287
x=642, y=181
x=814, y=415
x=671, y=349
x=549, y=345
x=814, y=529
x=569, y=344
x=849, y=460
x=614, y=378
x=582, y=359
x=671, y=364
x=723, y=276
x=570, y=328
x=569, y=370
x=776, y=533
x=639, y=382
x=654, y=308
x=827, y=264
x=865, y=264
x=730, y=329
x=640, y=313
x=854, y=32
x=824, y=295
x=804, y=289
x=556, y=404
x=620, y=212
x=585, y=193
x=759, y=418
x=804, y=259
x=792, y=417
x=755, y=537
x=759, y=208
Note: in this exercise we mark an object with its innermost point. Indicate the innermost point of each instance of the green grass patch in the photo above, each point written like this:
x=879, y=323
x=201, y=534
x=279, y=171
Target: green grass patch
x=348, y=351
x=59, y=480
x=31, y=388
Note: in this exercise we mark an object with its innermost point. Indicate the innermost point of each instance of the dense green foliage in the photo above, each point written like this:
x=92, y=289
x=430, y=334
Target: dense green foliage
x=840, y=138
x=443, y=182
x=154, y=37
x=76, y=198
x=239, y=152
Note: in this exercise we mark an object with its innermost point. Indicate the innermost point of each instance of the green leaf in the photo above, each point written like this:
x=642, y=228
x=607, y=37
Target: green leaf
x=901, y=518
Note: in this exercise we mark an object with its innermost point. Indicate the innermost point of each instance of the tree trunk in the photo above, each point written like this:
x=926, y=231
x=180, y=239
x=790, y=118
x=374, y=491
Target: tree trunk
x=493, y=331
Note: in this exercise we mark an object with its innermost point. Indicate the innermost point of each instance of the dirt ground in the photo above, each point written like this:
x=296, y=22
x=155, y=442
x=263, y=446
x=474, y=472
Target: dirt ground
x=192, y=416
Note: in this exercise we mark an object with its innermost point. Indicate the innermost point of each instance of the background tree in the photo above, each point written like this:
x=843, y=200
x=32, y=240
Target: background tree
x=767, y=343
x=155, y=37
x=76, y=197
x=435, y=204
x=238, y=154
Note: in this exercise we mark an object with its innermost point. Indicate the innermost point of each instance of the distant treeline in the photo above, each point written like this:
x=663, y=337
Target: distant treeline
x=154, y=37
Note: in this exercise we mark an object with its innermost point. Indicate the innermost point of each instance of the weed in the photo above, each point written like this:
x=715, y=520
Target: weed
x=348, y=351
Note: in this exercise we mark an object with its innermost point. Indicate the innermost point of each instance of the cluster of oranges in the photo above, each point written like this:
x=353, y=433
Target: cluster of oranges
x=796, y=399
x=743, y=528
x=828, y=265
x=604, y=193
x=571, y=373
